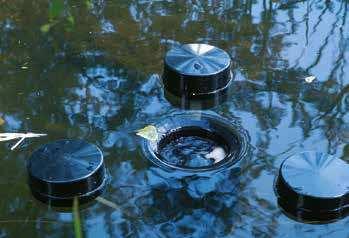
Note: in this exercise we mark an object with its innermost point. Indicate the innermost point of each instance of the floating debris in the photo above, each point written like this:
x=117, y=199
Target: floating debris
x=217, y=154
x=107, y=203
x=149, y=132
x=20, y=136
x=309, y=79
x=45, y=28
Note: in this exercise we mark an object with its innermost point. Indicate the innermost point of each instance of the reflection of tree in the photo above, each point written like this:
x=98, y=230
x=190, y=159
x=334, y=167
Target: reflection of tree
x=89, y=81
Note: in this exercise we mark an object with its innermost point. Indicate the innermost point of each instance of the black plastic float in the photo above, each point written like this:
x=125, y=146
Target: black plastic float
x=313, y=187
x=196, y=72
x=200, y=103
x=64, y=169
x=203, y=131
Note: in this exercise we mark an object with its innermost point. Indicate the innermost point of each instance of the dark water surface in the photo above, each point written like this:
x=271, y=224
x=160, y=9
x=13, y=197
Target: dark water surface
x=90, y=69
x=190, y=151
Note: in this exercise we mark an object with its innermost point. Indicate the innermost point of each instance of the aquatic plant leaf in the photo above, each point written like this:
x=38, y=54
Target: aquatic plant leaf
x=2, y=121
x=76, y=215
x=45, y=28
x=310, y=79
x=89, y=4
x=71, y=19
x=149, y=132
x=56, y=8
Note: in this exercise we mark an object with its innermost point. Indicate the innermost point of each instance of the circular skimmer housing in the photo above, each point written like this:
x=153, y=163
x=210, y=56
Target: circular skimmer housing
x=196, y=70
x=64, y=169
x=313, y=187
x=195, y=141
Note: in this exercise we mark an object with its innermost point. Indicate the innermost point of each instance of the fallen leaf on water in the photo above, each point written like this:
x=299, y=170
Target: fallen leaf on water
x=149, y=132
x=310, y=79
x=2, y=121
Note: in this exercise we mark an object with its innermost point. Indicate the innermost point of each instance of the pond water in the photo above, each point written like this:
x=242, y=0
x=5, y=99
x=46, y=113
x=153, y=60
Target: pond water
x=190, y=151
x=90, y=70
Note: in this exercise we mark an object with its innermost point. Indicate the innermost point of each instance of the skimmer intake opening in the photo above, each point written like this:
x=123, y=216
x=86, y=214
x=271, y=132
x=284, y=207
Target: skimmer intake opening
x=196, y=142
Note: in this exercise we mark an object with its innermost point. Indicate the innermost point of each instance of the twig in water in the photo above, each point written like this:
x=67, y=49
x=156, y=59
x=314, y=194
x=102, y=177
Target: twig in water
x=18, y=143
x=107, y=203
x=20, y=136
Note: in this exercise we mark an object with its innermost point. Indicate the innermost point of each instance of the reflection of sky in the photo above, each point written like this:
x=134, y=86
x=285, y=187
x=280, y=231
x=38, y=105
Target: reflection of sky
x=107, y=26
x=321, y=35
x=283, y=115
x=12, y=122
x=96, y=96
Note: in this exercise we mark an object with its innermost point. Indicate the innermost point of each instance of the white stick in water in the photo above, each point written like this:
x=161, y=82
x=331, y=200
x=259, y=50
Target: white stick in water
x=18, y=143
x=218, y=154
x=20, y=136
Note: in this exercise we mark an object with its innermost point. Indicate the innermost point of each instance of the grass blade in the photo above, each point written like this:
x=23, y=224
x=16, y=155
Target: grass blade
x=76, y=215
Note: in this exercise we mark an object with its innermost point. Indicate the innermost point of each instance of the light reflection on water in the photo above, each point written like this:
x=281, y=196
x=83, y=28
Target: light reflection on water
x=97, y=79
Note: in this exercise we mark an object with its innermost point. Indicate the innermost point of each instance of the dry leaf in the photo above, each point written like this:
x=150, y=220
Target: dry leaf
x=149, y=132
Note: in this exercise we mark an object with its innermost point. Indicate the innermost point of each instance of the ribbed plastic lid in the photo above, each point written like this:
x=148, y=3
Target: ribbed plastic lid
x=196, y=70
x=64, y=169
x=315, y=185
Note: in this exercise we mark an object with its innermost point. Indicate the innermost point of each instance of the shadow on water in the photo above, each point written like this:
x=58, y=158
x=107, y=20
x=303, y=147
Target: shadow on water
x=91, y=70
